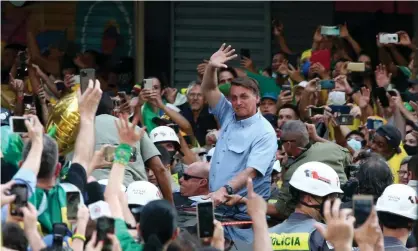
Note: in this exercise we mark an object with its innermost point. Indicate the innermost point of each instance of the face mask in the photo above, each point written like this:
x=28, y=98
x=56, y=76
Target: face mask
x=410, y=150
x=355, y=144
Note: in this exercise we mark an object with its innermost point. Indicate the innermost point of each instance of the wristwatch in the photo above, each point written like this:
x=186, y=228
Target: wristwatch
x=229, y=189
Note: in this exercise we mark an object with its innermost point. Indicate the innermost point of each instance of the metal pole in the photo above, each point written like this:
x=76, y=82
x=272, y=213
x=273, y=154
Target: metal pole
x=139, y=40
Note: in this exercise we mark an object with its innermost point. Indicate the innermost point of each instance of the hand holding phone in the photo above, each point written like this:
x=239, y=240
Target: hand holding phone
x=205, y=217
x=85, y=76
x=316, y=111
x=18, y=125
x=109, y=153
x=22, y=197
x=73, y=201
x=104, y=226
x=386, y=38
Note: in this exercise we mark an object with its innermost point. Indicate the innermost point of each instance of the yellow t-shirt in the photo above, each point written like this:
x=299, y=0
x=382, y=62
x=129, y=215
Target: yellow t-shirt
x=395, y=164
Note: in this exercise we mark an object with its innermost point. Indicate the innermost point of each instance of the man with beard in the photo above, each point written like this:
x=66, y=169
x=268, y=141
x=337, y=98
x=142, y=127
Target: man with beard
x=197, y=113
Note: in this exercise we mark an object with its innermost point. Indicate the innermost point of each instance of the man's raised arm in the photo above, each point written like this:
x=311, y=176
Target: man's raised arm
x=210, y=79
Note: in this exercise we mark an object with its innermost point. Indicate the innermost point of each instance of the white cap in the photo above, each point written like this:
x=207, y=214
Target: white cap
x=277, y=167
x=398, y=199
x=106, y=181
x=142, y=192
x=303, y=84
x=99, y=209
x=163, y=134
x=316, y=178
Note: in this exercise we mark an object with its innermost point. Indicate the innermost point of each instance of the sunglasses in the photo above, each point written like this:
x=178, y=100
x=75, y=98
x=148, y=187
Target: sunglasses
x=188, y=177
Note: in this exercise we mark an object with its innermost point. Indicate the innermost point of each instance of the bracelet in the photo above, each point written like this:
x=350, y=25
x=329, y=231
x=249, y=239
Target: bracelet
x=79, y=236
x=123, y=154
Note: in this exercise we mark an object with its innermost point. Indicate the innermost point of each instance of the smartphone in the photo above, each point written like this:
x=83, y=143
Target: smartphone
x=315, y=111
x=147, y=83
x=373, y=124
x=356, y=67
x=205, y=219
x=345, y=119
x=27, y=99
x=388, y=38
x=73, y=200
x=22, y=71
x=330, y=30
x=85, y=76
x=104, y=226
x=341, y=109
x=60, y=85
x=245, y=53
x=362, y=207
x=327, y=84
x=59, y=230
x=109, y=153
x=18, y=124
x=287, y=87
x=22, y=196
x=381, y=94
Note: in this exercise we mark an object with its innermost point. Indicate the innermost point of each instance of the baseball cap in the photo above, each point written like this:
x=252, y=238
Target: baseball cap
x=272, y=118
x=392, y=135
x=142, y=192
x=270, y=95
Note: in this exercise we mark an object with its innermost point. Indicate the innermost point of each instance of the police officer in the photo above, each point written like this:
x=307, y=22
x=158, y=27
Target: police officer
x=397, y=211
x=310, y=185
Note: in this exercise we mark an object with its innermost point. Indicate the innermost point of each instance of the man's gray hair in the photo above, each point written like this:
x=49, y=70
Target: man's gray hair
x=191, y=85
x=298, y=129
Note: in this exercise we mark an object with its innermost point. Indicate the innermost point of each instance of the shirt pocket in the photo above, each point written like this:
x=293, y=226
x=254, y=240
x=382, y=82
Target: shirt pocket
x=238, y=143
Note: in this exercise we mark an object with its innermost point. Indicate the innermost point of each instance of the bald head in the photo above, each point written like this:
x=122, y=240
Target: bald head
x=199, y=169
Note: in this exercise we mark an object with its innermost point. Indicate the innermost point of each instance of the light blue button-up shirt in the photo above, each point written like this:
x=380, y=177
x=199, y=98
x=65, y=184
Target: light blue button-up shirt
x=250, y=142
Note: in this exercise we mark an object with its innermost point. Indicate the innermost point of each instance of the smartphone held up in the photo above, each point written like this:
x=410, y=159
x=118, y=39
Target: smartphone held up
x=205, y=218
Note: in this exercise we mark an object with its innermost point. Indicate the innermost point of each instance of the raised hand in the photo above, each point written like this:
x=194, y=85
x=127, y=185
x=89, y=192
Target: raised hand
x=89, y=101
x=202, y=67
x=339, y=230
x=128, y=133
x=317, y=35
x=255, y=204
x=344, y=31
x=364, y=98
x=35, y=128
x=223, y=55
x=382, y=76
x=247, y=63
x=16, y=84
x=403, y=38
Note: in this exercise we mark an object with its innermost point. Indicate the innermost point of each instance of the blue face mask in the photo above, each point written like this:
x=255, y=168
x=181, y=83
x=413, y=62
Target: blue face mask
x=355, y=144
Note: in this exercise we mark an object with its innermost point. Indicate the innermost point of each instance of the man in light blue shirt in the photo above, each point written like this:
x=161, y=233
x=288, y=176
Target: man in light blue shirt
x=246, y=145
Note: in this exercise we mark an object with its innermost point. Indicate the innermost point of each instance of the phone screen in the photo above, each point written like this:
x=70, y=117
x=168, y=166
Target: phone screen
x=104, y=226
x=85, y=76
x=362, y=206
x=73, y=200
x=109, y=153
x=205, y=219
x=21, y=192
x=19, y=124
x=342, y=109
x=315, y=111
x=27, y=99
x=381, y=94
x=287, y=88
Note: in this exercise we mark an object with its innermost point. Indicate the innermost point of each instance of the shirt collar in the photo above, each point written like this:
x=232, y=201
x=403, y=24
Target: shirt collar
x=248, y=121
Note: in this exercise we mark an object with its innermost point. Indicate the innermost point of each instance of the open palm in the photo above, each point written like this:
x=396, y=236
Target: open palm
x=223, y=55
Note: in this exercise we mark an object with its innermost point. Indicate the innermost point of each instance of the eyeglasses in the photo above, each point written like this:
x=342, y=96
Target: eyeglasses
x=188, y=177
x=195, y=95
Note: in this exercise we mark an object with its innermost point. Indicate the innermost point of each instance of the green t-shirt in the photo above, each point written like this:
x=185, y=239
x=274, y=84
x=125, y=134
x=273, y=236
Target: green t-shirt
x=127, y=242
x=265, y=84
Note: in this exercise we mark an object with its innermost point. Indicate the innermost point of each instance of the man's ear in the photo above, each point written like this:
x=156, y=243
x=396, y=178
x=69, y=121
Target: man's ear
x=175, y=234
x=138, y=229
x=20, y=163
x=58, y=169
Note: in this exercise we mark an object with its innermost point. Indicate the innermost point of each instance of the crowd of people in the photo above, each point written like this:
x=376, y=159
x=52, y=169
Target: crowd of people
x=318, y=151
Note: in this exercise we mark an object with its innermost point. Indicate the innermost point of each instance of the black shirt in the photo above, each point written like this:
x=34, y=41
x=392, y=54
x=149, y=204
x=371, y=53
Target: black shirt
x=77, y=176
x=205, y=122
